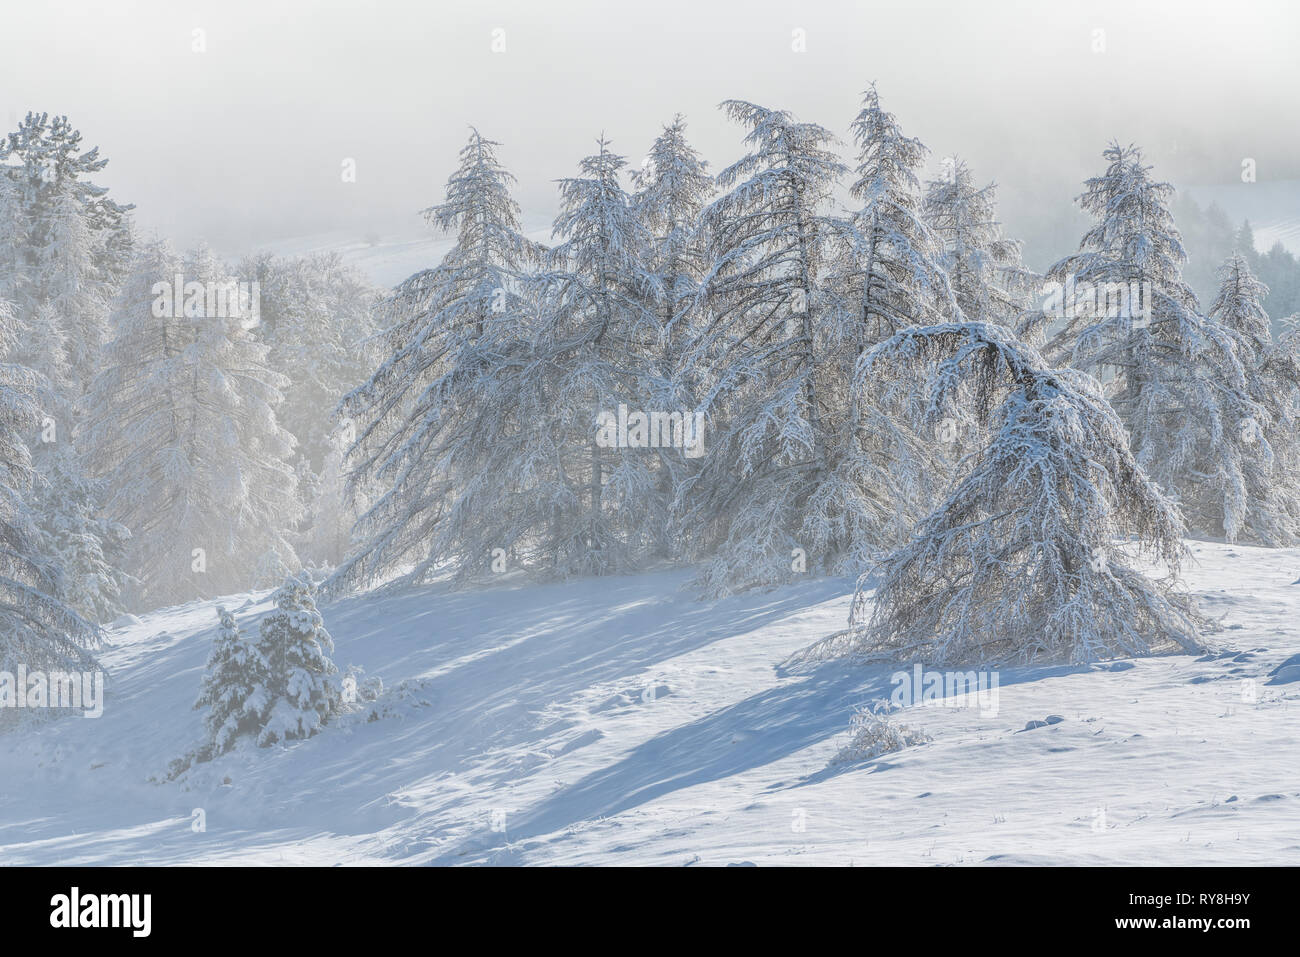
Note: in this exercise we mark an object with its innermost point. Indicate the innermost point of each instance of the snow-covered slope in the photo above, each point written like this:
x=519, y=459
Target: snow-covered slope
x=618, y=721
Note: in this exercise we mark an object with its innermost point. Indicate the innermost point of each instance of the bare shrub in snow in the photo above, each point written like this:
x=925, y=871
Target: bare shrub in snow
x=873, y=735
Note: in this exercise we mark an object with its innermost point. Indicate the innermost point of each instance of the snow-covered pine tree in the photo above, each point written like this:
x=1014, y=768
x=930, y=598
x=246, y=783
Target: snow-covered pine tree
x=672, y=186
x=1026, y=559
x=887, y=273
x=270, y=568
x=1288, y=339
x=1272, y=500
x=761, y=308
x=37, y=628
x=891, y=272
x=599, y=333
x=429, y=411
x=73, y=287
x=316, y=316
x=67, y=237
x=1172, y=373
x=43, y=155
x=303, y=692
x=798, y=474
x=74, y=531
x=13, y=246
x=62, y=243
x=44, y=350
x=1286, y=352
x=183, y=428
x=66, y=336
x=235, y=689
x=988, y=278
x=41, y=345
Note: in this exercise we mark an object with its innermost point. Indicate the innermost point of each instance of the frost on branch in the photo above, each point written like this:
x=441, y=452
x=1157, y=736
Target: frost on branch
x=1020, y=562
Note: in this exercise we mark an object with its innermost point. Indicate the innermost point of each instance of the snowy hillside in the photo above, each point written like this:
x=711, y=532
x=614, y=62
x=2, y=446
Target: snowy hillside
x=617, y=721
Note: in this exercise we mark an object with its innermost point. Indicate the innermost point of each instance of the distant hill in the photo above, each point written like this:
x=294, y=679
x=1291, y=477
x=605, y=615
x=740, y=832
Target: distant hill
x=386, y=261
x=1273, y=209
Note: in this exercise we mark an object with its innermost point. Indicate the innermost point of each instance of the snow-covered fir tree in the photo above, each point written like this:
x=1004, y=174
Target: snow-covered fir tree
x=183, y=429
x=74, y=531
x=303, y=691
x=1272, y=494
x=599, y=335
x=672, y=187
x=316, y=314
x=62, y=245
x=1031, y=556
x=761, y=305
x=891, y=272
x=37, y=628
x=429, y=411
x=235, y=690
x=67, y=238
x=796, y=475
x=988, y=278
x=1172, y=373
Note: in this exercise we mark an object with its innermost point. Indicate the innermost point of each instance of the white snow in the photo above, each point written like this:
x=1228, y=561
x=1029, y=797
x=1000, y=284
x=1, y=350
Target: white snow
x=616, y=721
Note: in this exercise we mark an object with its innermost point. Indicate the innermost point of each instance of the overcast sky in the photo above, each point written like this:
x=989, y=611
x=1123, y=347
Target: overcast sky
x=244, y=143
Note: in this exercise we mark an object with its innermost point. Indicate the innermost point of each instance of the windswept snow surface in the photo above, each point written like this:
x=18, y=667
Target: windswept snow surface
x=617, y=721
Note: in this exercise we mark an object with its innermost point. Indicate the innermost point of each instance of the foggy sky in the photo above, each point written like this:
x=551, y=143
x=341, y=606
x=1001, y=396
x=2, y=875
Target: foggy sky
x=244, y=143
